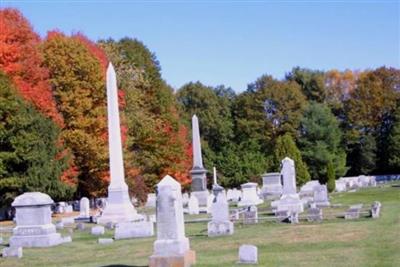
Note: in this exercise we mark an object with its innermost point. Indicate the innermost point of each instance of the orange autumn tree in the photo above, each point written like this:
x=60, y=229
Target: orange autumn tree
x=21, y=60
x=77, y=79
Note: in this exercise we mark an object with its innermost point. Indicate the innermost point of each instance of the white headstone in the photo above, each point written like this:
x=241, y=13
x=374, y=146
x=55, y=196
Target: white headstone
x=84, y=208
x=119, y=207
x=15, y=252
x=220, y=223
x=151, y=200
x=248, y=254
x=321, y=196
x=272, y=185
x=193, y=205
x=290, y=200
x=249, y=195
x=126, y=230
x=33, y=218
x=171, y=245
x=105, y=241
x=289, y=176
x=97, y=230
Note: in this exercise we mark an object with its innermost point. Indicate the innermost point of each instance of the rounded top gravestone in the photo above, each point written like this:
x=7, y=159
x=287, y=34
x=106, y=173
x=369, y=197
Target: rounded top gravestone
x=32, y=199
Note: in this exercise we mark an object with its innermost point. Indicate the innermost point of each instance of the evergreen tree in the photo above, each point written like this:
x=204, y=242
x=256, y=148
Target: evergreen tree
x=286, y=147
x=320, y=141
x=394, y=144
x=330, y=176
x=31, y=157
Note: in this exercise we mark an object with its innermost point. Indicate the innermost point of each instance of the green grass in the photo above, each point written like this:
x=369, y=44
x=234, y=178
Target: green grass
x=335, y=242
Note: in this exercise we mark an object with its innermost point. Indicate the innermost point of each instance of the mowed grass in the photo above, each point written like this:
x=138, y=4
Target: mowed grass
x=335, y=242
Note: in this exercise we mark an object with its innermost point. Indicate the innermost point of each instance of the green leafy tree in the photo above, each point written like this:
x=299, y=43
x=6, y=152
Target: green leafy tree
x=268, y=109
x=286, y=147
x=78, y=84
x=312, y=83
x=394, y=144
x=321, y=142
x=31, y=157
x=330, y=176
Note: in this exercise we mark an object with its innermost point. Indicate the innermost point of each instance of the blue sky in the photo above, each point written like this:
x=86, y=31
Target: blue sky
x=235, y=42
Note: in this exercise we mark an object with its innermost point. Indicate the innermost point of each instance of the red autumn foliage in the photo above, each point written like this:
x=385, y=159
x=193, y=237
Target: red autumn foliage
x=21, y=60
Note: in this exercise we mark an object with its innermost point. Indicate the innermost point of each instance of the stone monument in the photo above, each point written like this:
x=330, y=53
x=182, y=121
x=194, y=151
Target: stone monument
x=321, y=196
x=220, y=223
x=249, y=196
x=33, y=218
x=172, y=246
x=272, y=185
x=198, y=173
x=290, y=200
x=119, y=207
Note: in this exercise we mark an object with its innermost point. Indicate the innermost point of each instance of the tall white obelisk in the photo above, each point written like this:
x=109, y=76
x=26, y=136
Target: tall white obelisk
x=119, y=207
x=199, y=180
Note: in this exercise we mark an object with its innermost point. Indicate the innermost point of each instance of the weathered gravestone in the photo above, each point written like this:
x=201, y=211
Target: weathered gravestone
x=126, y=230
x=220, y=223
x=105, y=241
x=193, y=205
x=248, y=254
x=353, y=212
x=249, y=195
x=97, y=230
x=314, y=215
x=375, y=209
x=14, y=252
x=33, y=217
x=290, y=200
x=84, y=208
x=321, y=196
x=250, y=215
x=172, y=246
x=151, y=200
x=272, y=185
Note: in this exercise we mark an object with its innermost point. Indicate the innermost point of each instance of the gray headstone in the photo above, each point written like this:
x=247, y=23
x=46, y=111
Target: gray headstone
x=80, y=226
x=248, y=254
x=84, y=208
x=220, y=223
x=314, y=215
x=127, y=230
x=249, y=195
x=105, y=241
x=375, y=209
x=97, y=230
x=15, y=252
x=251, y=215
x=66, y=239
x=272, y=185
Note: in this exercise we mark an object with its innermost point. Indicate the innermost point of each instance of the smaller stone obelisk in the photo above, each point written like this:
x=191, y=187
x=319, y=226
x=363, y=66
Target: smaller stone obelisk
x=199, y=180
x=119, y=207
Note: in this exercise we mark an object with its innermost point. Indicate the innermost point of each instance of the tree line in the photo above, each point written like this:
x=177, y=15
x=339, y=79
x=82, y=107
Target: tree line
x=53, y=130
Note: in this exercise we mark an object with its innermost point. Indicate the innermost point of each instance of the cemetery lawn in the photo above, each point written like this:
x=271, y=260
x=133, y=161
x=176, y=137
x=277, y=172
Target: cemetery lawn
x=335, y=242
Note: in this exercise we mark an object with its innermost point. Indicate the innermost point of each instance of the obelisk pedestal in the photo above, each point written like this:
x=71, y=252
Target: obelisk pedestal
x=119, y=207
x=198, y=173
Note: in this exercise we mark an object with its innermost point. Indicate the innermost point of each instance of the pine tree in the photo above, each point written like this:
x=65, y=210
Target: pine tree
x=286, y=147
x=31, y=158
x=330, y=176
x=321, y=141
